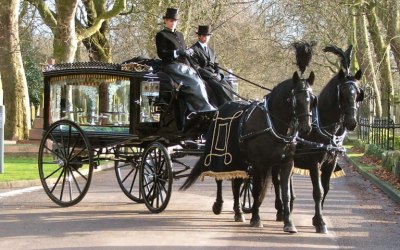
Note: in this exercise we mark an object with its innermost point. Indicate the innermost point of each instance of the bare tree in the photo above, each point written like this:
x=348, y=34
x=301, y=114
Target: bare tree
x=62, y=23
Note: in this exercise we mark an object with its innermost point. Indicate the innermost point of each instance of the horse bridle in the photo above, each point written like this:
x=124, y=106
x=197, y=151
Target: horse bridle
x=354, y=88
x=310, y=95
x=335, y=139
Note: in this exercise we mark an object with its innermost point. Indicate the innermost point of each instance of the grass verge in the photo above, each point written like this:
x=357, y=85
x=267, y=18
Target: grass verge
x=17, y=168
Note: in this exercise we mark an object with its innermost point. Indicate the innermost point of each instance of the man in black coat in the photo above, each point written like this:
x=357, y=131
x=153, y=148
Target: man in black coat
x=207, y=65
x=172, y=50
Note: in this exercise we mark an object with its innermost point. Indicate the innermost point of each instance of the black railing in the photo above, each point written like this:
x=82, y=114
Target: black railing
x=380, y=132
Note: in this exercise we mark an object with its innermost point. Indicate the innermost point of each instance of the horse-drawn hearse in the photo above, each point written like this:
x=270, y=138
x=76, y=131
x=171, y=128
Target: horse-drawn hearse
x=95, y=113
x=134, y=116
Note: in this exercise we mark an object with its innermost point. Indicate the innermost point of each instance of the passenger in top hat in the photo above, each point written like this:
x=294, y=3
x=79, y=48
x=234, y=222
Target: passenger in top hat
x=207, y=65
x=172, y=50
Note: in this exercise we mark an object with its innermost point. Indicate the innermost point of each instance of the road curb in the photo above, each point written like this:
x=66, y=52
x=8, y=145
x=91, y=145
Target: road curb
x=386, y=188
x=19, y=184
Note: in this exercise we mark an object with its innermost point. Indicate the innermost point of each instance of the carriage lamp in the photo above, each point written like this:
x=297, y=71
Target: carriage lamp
x=150, y=90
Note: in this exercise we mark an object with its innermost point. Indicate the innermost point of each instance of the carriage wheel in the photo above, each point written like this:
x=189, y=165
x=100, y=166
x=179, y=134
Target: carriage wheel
x=127, y=171
x=246, y=195
x=65, y=163
x=156, y=177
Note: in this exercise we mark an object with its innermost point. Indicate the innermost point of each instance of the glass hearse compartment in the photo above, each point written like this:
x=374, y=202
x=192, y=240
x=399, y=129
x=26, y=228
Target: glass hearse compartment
x=96, y=102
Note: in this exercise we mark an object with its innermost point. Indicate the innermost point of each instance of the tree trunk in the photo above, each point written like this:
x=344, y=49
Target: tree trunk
x=16, y=98
x=367, y=63
x=382, y=58
x=393, y=29
x=65, y=40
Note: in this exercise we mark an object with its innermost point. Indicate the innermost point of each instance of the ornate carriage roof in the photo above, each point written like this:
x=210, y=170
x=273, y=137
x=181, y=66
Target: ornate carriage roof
x=130, y=68
x=81, y=65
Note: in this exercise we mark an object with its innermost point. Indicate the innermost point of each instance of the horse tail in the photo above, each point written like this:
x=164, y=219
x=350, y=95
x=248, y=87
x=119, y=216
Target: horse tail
x=194, y=174
x=265, y=184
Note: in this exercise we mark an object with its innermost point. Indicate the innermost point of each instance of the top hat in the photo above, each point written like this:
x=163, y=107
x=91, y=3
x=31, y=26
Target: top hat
x=203, y=30
x=171, y=14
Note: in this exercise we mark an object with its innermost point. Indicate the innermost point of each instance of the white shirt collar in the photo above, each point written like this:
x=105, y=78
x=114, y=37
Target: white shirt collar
x=203, y=45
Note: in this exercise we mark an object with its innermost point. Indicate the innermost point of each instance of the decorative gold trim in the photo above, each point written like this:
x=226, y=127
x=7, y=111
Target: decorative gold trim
x=88, y=79
x=238, y=174
x=137, y=67
x=338, y=174
x=306, y=172
x=228, y=123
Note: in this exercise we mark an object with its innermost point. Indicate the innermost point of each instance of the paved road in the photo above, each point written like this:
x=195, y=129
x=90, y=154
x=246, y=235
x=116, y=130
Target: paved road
x=359, y=216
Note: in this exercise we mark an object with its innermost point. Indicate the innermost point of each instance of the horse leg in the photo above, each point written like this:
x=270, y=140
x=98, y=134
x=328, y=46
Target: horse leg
x=219, y=202
x=237, y=208
x=286, y=172
x=317, y=220
x=292, y=195
x=255, y=220
x=278, y=197
x=326, y=172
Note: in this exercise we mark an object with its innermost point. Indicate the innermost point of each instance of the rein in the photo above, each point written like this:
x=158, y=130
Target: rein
x=241, y=78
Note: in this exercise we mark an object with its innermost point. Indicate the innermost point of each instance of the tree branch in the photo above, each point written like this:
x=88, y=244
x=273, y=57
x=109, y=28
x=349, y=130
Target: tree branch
x=117, y=8
x=48, y=16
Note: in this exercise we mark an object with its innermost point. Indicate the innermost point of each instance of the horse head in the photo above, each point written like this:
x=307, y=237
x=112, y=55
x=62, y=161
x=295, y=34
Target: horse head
x=349, y=94
x=303, y=101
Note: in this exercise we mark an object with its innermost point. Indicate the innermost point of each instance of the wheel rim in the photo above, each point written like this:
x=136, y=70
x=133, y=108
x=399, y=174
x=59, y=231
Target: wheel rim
x=127, y=171
x=65, y=163
x=156, y=177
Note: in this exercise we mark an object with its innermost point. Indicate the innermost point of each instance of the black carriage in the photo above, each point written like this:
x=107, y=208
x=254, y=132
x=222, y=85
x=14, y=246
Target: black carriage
x=97, y=114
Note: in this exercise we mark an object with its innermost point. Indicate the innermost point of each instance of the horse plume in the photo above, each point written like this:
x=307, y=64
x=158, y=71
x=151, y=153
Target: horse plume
x=345, y=56
x=303, y=54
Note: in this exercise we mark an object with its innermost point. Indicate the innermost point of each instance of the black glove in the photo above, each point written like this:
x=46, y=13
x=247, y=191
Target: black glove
x=216, y=67
x=185, y=52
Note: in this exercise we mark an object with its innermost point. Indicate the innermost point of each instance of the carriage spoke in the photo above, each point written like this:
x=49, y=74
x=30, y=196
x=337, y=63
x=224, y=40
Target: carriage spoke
x=52, y=151
x=73, y=149
x=57, y=147
x=75, y=181
x=63, y=185
x=58, y=179
x=77, y=154
x=55, y=171
x=134, y=179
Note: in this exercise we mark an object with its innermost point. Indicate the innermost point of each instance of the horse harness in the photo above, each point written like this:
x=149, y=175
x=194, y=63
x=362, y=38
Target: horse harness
x=335, y=145
x=291, y=135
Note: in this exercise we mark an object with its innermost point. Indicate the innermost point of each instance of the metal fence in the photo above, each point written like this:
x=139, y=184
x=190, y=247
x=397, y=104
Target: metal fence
x=380, y=132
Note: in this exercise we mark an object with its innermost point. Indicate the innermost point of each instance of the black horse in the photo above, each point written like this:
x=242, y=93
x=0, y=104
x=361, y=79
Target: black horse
x=318, y=153
x=262, y=135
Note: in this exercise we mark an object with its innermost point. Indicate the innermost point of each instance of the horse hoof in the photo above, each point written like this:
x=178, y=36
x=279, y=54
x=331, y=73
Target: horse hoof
x=256, y=224
x=239, y=218
x=279, y=216
x=321, y=229
x=290, y=229
x=217, y=207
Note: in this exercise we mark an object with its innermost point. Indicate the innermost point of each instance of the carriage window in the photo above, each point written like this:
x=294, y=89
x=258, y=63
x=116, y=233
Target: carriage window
x=90, y=100
x=149, y=95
